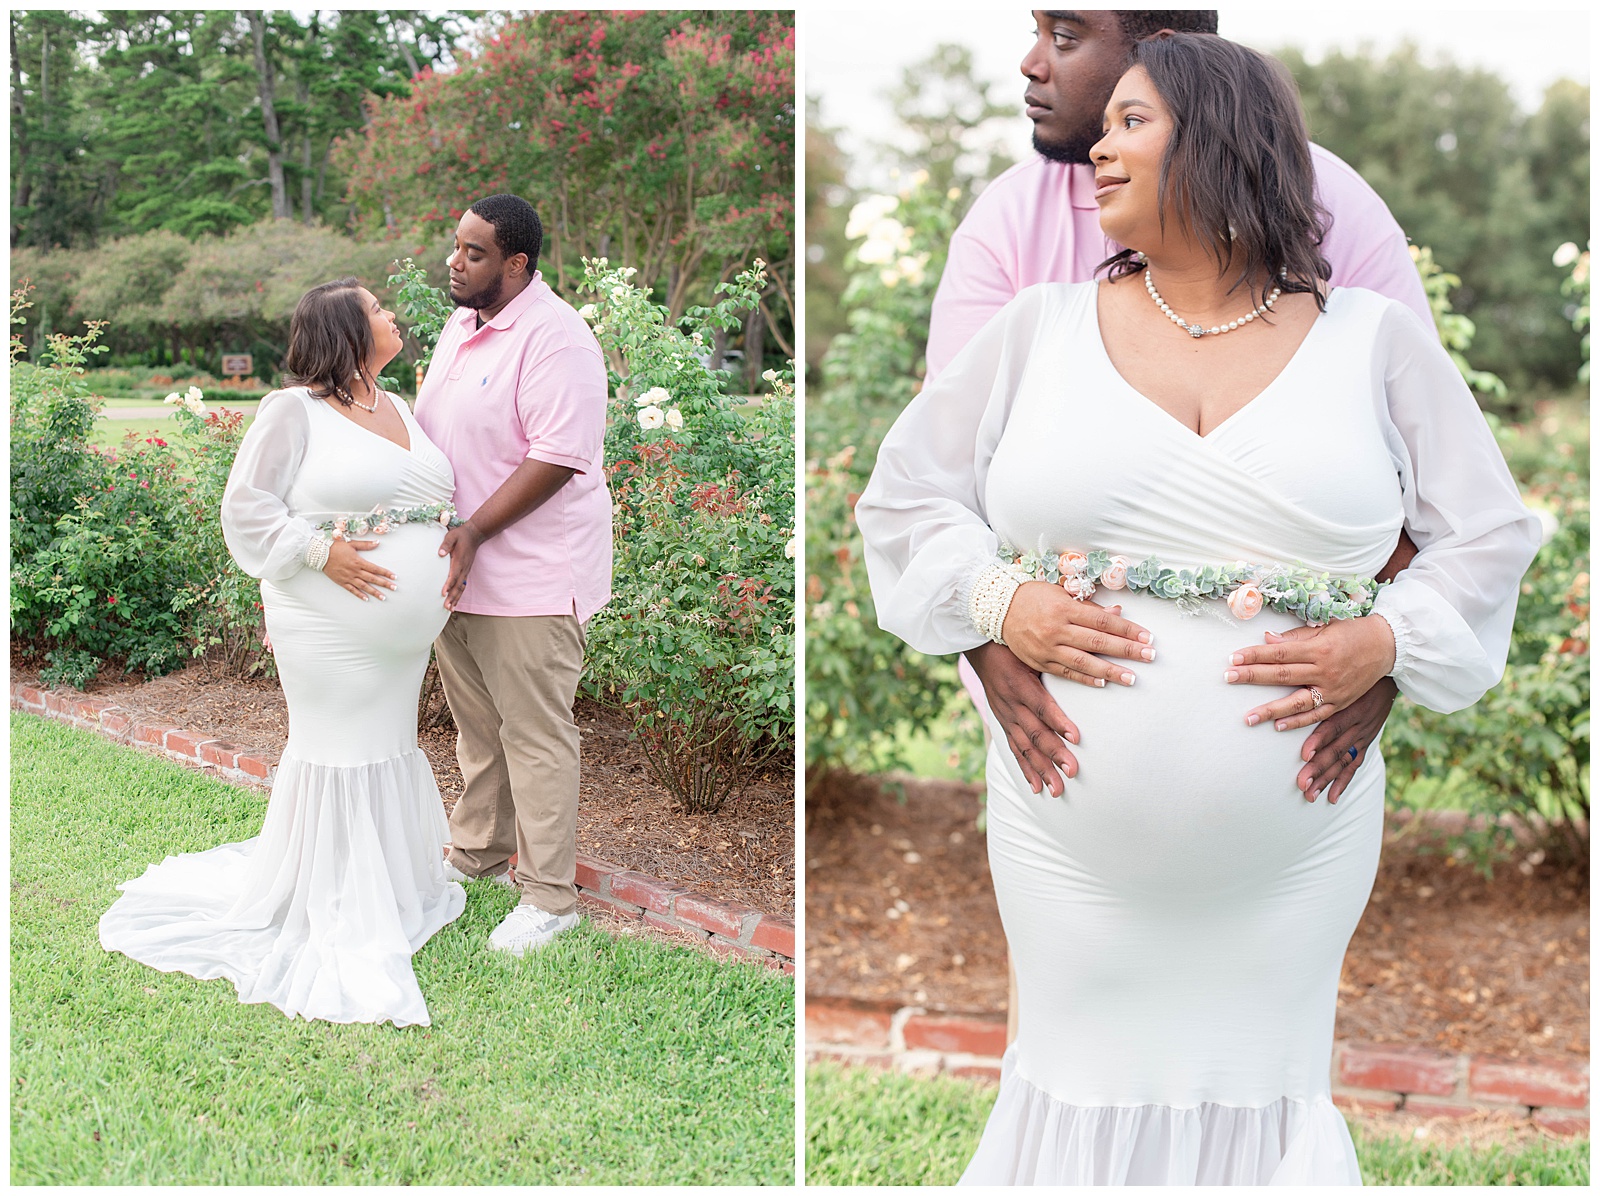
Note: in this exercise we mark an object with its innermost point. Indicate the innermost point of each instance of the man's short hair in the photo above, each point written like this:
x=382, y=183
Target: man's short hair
x=1138, y=25
x=516, y=226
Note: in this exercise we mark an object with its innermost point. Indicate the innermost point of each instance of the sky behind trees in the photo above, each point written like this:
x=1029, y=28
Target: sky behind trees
x=1530, y=49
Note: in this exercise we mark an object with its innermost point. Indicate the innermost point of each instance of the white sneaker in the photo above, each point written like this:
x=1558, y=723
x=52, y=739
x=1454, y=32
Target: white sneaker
x=451, y=872
x=527, y=928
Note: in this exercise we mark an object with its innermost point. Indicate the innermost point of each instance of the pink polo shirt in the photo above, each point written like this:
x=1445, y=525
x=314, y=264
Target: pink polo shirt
x=1038, y=222
x=529, y=383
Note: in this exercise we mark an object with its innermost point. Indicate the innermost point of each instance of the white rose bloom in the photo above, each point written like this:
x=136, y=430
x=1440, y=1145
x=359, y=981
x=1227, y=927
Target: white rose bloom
x=172, y=398
x=868, y=213
x=656, y=396
x=788, y=549
x=770, y=376
x=588, y=311
x=619, y=292
x=911, y=268
x=674, y=418
x=194, y=404
x=651, y=418
x=883, y=244
x=1566, y=255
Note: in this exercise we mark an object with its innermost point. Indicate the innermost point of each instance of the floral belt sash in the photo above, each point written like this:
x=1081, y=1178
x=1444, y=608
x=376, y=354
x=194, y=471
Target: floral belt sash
x=1313, y=598
x=378, y=521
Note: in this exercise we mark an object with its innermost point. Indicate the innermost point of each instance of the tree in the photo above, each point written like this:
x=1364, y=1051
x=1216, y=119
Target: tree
x=950, y=115
x=197, y=122
x=1492, y=191
x=52, y=200
x=663, y=140
x=828, y=197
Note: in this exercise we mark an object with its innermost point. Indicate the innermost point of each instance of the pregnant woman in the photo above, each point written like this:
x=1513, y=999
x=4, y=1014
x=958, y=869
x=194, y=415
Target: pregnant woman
x=1215, y=450
x=338, y=502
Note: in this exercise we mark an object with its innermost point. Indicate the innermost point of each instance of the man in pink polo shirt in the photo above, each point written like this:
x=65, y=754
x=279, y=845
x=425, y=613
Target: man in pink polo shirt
x=1039, y=222
x=516, y=399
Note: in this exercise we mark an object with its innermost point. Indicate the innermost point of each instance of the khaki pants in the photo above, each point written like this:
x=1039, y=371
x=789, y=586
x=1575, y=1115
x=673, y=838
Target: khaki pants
x=510, y=682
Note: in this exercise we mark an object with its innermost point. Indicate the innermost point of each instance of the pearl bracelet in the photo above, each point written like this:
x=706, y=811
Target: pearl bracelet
x=991, y=599
x=317, y=552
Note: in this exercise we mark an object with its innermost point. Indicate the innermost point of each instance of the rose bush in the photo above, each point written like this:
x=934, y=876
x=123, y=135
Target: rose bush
x=115, y=555
x=864, y=687
x=698, y=642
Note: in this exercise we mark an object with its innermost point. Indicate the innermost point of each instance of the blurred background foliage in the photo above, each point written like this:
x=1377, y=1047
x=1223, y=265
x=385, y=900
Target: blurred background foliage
x=1496, y=201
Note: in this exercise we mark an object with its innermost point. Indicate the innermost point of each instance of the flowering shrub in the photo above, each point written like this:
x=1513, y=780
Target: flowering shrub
x=222, y=603
x=862, y=684
x=1576, y=285
x=1524, y=748
x=117, y=555
x=698, y=640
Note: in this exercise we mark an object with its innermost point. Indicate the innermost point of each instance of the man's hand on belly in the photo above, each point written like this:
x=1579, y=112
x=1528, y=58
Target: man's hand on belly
x=1037, y=731
x=1329, y=747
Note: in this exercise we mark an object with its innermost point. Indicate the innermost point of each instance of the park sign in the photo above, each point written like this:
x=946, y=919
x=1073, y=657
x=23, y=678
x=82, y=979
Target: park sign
x=236, y=365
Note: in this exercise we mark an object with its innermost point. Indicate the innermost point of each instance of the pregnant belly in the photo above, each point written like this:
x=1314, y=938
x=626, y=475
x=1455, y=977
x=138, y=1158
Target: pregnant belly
x=309, y=607
x=1174, y=792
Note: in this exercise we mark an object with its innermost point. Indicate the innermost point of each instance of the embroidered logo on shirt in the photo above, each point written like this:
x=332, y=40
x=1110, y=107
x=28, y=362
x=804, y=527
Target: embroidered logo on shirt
x=485, y=381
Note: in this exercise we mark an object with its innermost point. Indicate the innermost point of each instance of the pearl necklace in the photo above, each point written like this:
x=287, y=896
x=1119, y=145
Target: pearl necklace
x=349, y=400
x=1195, y=330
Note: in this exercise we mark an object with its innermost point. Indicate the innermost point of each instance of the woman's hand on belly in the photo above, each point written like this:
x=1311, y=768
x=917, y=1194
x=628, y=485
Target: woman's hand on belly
x=1342, y=660
x=1065, y=637
x=347, y=568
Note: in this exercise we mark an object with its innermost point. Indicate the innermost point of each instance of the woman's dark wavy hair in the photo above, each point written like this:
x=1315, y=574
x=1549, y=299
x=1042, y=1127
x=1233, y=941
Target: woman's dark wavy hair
x=1238, y=160
x=330, y=340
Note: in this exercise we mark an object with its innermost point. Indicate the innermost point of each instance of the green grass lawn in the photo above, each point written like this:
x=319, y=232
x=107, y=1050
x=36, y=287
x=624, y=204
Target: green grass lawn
x=109, y=429
x=865, y=1126
x=598, y=1060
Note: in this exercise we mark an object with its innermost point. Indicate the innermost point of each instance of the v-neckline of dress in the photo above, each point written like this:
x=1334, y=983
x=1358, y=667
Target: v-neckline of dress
x=1167, y=416
x=409, y=448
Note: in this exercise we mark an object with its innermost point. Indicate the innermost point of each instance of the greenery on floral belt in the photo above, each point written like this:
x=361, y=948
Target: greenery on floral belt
x=379, y=521
x=1315, y=598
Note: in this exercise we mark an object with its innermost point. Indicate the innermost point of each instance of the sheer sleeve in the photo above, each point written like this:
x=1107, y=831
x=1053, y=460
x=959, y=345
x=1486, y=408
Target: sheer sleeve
x=1452, y=608
x=922, y=516
x=264, y=538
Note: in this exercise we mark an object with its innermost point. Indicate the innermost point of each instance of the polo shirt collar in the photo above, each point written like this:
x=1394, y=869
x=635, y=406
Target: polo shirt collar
x=1080, y=187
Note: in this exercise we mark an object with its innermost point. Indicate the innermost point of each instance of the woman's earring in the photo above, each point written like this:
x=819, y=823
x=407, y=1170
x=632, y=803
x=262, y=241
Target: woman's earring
x=1233, y=233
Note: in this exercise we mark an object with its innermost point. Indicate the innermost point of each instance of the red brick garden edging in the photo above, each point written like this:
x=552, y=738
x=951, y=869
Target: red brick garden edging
x=729, y=931
x=1552, y=1091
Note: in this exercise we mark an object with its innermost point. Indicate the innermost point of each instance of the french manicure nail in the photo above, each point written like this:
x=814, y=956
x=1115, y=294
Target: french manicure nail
x=1230, y=675
x=1251, y=720
x=1236, y=658
x=1145, y=638
x=1127, y=678
x=1282, y=726
x=1100, y=681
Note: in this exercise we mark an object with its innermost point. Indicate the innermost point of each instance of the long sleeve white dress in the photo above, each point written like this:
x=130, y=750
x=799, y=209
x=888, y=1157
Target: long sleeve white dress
x=320, y=914
x=1178, y=918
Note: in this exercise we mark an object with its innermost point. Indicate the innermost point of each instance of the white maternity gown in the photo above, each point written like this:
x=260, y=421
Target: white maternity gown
x=320, y=914
x=1178, y=918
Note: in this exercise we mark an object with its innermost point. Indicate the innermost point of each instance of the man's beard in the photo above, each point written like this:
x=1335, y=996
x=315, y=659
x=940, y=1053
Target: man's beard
x=1073, y=149
x=487, y=297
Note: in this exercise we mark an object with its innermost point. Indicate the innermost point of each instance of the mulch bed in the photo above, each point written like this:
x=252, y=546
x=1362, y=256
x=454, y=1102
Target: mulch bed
x=744, y=853
x=899, y=908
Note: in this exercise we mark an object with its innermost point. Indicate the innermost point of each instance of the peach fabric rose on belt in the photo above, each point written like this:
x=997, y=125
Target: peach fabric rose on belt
x=1073, y=564
x=1246, y=602
x=1115, y=576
